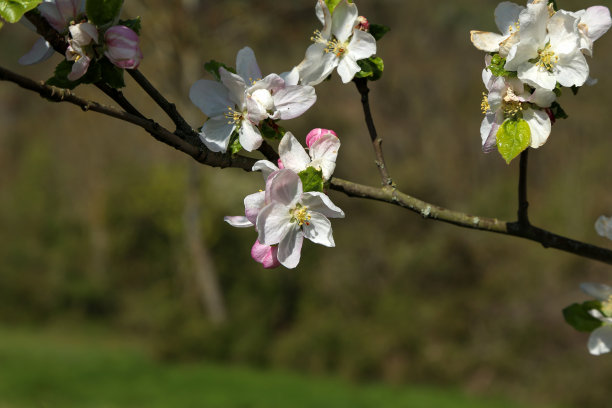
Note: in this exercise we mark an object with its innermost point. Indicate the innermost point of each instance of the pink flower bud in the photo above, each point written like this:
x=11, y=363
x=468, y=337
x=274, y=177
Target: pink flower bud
x=363, y=24
x=316, y=134
x=122, y=47
x=265, y=255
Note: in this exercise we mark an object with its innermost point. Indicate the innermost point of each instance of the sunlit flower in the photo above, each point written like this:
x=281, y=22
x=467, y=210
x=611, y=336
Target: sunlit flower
x=293, y=215
x=122, y=47
x=340, y=43
x=592, y=24
x=600, y=340
x=507, y=21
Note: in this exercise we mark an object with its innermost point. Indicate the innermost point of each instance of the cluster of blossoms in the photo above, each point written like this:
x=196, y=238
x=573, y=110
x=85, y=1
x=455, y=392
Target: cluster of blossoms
x=539, y=51
x=243, y=106
x=86, y=41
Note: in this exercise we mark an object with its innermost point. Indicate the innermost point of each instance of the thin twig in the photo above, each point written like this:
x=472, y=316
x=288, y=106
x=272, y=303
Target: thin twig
x=523, y=204
x=362, y=87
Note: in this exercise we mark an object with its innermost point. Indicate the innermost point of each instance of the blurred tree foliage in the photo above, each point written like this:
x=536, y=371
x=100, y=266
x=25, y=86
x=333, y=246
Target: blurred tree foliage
x=91, y=213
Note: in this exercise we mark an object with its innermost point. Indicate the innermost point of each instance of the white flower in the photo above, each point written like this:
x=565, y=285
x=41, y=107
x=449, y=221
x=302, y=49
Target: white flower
x=82, y=35
x=240, y=101
x=603, y=226
x=507, y=98
x=549, y=49
x=293, y=215
x=600, y=340
x=592, y=24
x=339, y=44
x=507, y=20
x=321, y=155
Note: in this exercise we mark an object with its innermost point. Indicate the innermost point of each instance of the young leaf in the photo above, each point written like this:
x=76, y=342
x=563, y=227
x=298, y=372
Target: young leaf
x=312, y=179
x=134, y=24
x=371, y=68
x=331, y=4
x=213, y=66
x=112, y=74
x=577, y=315
x=13, y=10
x=498, y=69
x=101, y=12
x=270, y=130
x=60, y=76
x=512, y=138
x=378, y=31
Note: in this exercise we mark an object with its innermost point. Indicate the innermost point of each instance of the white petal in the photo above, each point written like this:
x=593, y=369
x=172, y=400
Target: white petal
x=266, y=167
x=212, y=97
x=319, y=230
x=272, y=83
x=317, y=65
x=542, y=97
x=488, y=132
x=362, y=45
x=292, y=77
x=285, y=188
x=520, y=54
x=292, y=153
x=540, y=126
x=573, y=69
x=253, y=203
x=506, y=15
x=344, y=19
x=603, y=226
x=293, y=101
x=41, y=50
x=246, y=65
x=563, y=34
x=537, y=77
x=324, y=17
x=236, y=87
x=249, y=136
x=273, y=223
x=600, y=340
x=485, y=41
x=324, y=152
x=319, y=202
x=347, y=68
x=597, y=20
x=598, y=290
x=238, y=221
x=533, y=22
x=216, y=133
x=290, y=248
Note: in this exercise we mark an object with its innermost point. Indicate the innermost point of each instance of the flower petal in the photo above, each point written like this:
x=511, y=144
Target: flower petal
x=253, y=203
x=324, y=153
x=236, y=87
x=597, y=20
x=486, y=41
x=50, y=12
x=216, y=133
x=507, y=15
x=246, y=65
x=600, y=340
x=265, y=255
x=347, y=68
x=273, y=223
x=321, y=203
x=290, y=248
x=597, y=290
x=238, y=221
x=344, y=19
x=293, y=101
x=319, y=230
x=488, y=131
x=41, y=51
x=249, y=136
x=573, y=69
x=292, y=153
x=285, y=188
x=292, y=77
x=317, y=65
x=362, y=45
x=539, y=123
x=266, y=167
x=212, y=97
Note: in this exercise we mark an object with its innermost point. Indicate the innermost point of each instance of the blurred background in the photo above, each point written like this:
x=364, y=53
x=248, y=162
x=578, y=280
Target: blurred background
x=112, y=243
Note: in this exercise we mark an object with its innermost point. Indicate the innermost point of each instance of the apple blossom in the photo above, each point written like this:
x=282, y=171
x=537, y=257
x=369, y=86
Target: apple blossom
x=592, y=24
x=340, y=44
x=292, y=215
x=242, y=100
x=122, y=47
x=600, y=340
x=507, y=21
x=79, y=51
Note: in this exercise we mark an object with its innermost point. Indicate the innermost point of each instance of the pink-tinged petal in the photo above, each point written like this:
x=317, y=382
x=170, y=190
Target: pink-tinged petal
x=486, y=41
x=347, y=68
x=598, y=21
x=273, y=223
x=598, y=290
x=319, y=230
x=488, y=132
x=572, y=69
x=362, y=45
x=324, y=153
x=83, y=33
x=344, y=19
x=216, y=133
x=265, y=255
x=540, y=126
x=79, y=68
x=507, y=15
x=272, y=83
x=249, y=136
x=236, y=87
x=285, y=188
x=290, y=248
x=123, y=47
x=246, y=65
x=292, y=153
x=293, y=101
x=266, y=167
x=50, y=12
x=321, y=203
x=238, y=221
x=292, y=77
x=600, y=340
x=41, y=50
x=252, y=204
x=68, y=8
x=211, y=97
x=256, y=112
x=316, y=134
x=280, y=164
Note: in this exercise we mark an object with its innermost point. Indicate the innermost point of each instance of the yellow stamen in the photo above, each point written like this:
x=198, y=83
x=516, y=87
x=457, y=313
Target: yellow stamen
x=547, y=59
x=484, y=105
x=300, y=215
x=233, y=116
x=333, y=45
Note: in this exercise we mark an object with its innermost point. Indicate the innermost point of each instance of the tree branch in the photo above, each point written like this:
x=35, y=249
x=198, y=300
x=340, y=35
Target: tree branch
x=362, y=87
x=523, y=205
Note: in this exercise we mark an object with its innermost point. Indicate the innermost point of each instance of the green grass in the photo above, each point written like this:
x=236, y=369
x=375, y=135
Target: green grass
x=53, y=369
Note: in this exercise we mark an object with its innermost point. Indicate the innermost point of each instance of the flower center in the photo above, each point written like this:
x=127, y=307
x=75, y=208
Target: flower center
x=547, y=59
x=484, y=105
x=300, y=215
x=511, y=105
x=334, y=46
x=233, y=116
x=514, y=28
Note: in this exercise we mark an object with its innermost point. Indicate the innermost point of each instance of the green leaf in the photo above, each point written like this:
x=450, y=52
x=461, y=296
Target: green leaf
x=312, y=179
x=558, y=111
x=101, y=12
x=497, y=67
x=13, y=10
x=235, y=146
x=331, y=4
x=513, y=137
x=134, y=24
x=378, y=31
x=269, y=129
x=111, y=74
x=213, y=66
x=371, y=68
x=60, y=77
x=577, y=315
